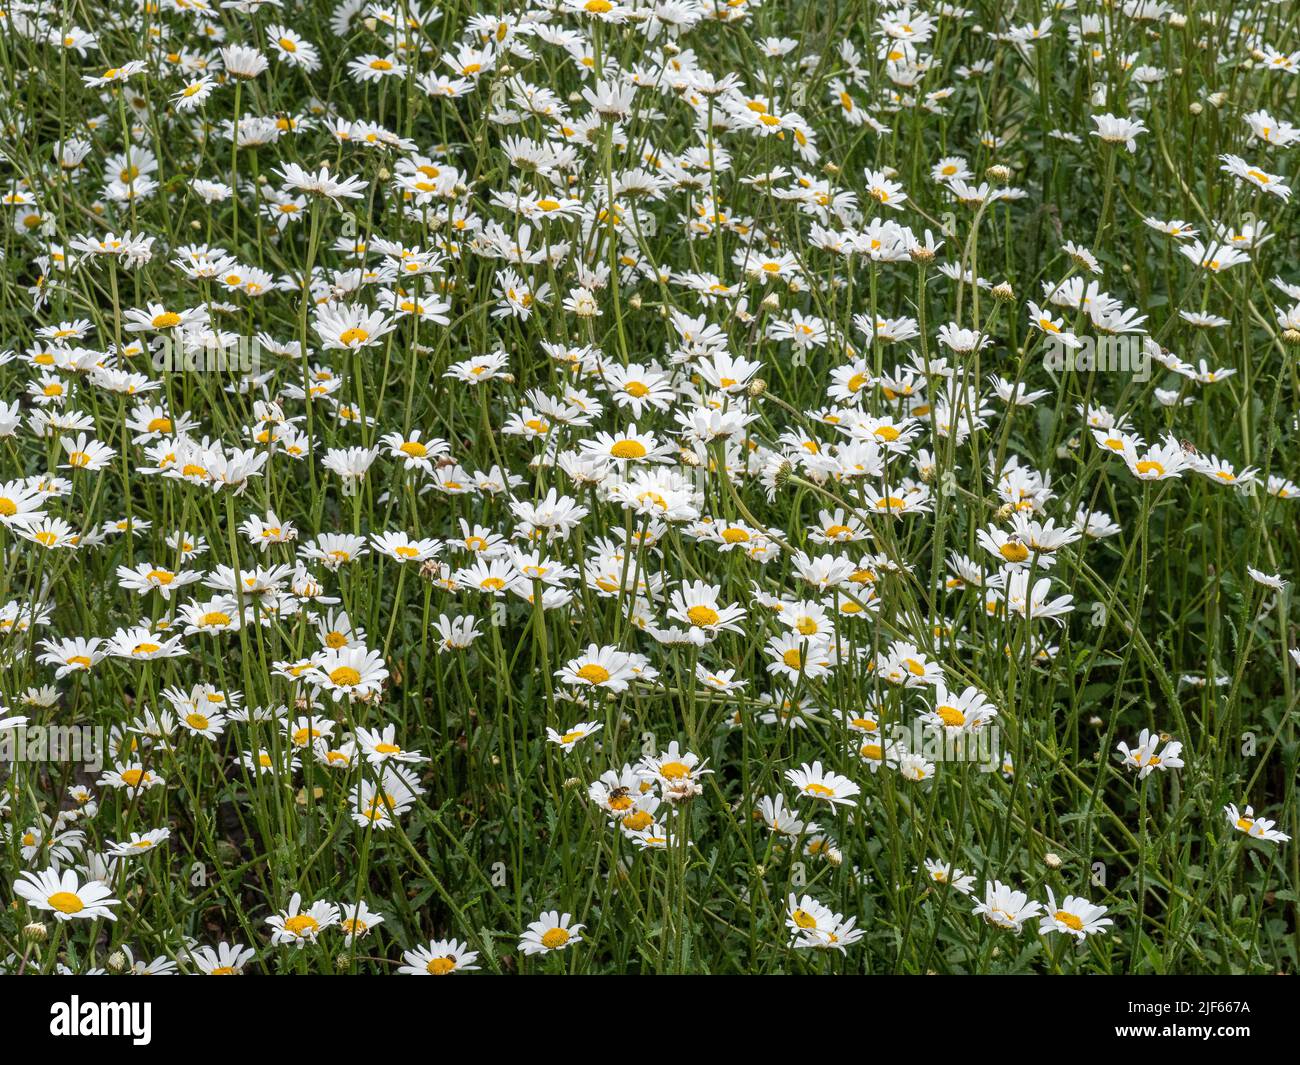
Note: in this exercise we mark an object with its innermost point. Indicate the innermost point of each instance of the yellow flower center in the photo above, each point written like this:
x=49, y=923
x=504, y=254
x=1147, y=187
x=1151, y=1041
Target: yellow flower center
x=301, y=923
x=628, y=449
x=703, y=616
x=593, y=673
x=66, y=902
x=950, y=715
x=345, y=677
x=557, y=937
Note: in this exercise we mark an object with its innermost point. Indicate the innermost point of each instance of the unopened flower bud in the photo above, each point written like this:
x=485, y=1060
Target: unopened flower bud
x=1004, y=293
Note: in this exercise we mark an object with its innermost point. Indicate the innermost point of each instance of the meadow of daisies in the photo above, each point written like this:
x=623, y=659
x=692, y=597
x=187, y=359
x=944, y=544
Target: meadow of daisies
x=649, y=486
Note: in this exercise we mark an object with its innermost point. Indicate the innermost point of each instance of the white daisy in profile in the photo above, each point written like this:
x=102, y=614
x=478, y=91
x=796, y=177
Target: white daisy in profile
x=570, y=738
x=808, y=916
x=823, y=785
x=380, y=745
x=441, y=957
x=358, y=920
x=1255, y=827
x=947, y=873
x=550, y=932
x=1006, y=908
x=599, y=667
x=1075, y=917
x=139, y=843
x=1268, y=580
x=225, y=959
x=673, y=768
x=61, y=894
